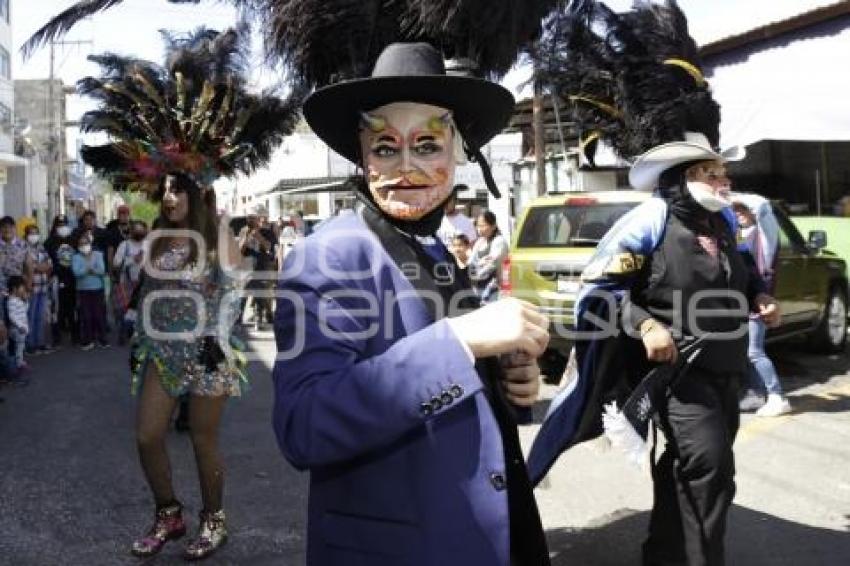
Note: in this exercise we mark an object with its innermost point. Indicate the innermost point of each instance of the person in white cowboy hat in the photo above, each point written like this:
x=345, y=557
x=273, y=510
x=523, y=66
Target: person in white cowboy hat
x=667, y=287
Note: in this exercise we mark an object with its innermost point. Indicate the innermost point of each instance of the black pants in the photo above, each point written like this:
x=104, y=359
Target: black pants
x=262, y=305
x=66, y=316
x=694, y=478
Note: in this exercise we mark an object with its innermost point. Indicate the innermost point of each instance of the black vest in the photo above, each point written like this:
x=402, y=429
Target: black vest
x=693, y=292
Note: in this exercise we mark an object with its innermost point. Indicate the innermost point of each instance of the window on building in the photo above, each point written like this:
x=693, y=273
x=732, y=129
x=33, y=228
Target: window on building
x=5, y=63
x=4, y=10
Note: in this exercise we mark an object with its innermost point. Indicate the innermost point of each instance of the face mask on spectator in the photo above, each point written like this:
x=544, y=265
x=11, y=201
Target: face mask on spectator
x=85, y=249
x=63, y=231
x=138, y=236
x=33, y=238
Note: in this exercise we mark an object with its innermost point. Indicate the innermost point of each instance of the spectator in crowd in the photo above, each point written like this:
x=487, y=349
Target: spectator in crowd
x=454, y=221
x=258, y=242
x=89, y=269
x=117, y=230
x=14, y=259
x=485, y=262
x=39, y=307
x=60, y=248
x=303, y=226
x=461, y=248
x=761, y=242
x=16, y=315
x=288, y=236
x=97, y=235
x=127, y=270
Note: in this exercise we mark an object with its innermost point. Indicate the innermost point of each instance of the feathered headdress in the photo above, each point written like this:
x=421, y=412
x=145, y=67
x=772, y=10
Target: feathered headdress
x=192, y=115
x=634, y=79
x=323, y=41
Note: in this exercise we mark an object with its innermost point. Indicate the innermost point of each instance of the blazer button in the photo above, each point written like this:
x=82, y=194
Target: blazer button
x=447, y=398
x=497, y=479
x=456, y=391
x=426, y=409
x=436, y=403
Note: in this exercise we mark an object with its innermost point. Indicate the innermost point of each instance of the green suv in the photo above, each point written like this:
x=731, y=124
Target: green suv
x=556, y=236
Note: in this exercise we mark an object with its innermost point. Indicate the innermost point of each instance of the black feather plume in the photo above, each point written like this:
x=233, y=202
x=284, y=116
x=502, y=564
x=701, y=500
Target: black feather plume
x=491, y=33
x=575, y=60
x=325, y=41
x=633, y=78
x=662, y=100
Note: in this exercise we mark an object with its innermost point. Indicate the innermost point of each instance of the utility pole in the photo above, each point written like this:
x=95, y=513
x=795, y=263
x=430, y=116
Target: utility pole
x=537, y=110
x=56, y=159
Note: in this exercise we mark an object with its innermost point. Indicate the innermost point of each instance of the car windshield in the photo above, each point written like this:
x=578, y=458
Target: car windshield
x=570, y=226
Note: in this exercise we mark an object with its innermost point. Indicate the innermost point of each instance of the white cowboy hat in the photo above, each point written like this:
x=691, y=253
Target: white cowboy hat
x=646, y=169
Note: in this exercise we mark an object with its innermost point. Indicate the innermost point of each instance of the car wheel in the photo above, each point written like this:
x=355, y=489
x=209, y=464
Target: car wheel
x=831, y=334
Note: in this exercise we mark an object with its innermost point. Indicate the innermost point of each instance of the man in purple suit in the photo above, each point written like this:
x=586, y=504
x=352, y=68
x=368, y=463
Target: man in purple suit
x=398, y=396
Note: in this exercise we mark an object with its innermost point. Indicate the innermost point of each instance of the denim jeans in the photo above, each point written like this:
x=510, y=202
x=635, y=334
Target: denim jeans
x=762, y=372
x=37, y=320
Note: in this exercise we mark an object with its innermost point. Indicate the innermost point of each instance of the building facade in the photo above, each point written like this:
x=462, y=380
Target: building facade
x=13, y=199
x=40, y=118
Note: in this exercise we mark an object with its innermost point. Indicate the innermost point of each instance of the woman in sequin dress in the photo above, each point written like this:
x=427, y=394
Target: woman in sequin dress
x=173, y=129
x=184, y=318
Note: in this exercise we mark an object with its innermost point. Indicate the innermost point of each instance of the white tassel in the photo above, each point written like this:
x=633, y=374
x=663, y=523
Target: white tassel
x=623, y=436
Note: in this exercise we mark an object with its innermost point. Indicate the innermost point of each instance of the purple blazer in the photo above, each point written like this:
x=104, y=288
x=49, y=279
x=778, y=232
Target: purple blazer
x=385, y=409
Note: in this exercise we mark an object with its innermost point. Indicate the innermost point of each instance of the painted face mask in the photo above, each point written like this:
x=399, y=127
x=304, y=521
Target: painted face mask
x=409, y=154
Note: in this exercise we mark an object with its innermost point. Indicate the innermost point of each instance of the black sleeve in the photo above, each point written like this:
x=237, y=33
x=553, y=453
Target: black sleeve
x=633, y=309
x=632, y=314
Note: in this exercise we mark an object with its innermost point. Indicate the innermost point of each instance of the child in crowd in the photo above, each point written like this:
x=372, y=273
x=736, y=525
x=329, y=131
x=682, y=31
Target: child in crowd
x=460, y=248
x=90, y=269
x=18, y=322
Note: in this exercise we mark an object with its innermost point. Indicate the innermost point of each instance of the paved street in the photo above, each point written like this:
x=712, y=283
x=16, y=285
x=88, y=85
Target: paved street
x=71, y=491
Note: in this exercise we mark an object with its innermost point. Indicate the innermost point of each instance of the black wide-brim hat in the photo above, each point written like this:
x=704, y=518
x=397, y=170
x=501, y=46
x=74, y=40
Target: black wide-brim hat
x=408, y=72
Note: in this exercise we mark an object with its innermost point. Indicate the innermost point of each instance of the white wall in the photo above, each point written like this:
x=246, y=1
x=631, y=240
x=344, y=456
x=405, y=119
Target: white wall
x=789, y=89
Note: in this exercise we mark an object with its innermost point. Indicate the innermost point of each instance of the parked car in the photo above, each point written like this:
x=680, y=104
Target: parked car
x=557, y=235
